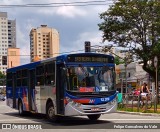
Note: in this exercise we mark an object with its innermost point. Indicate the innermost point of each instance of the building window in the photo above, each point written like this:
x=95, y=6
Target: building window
x=129, y=74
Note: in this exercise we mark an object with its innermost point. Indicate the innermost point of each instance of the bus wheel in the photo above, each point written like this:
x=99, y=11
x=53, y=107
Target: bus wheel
x=94, y=117
x=50, y=112
x=20, y=108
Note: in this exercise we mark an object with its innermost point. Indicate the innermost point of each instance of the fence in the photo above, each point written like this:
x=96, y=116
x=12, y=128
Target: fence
x=136, y=102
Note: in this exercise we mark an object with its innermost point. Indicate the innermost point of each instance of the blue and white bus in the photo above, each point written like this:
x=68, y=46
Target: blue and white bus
x=67, y=85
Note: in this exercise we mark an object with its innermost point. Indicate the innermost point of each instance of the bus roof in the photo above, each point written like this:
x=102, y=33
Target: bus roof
x=64, y=57
x=60, y=58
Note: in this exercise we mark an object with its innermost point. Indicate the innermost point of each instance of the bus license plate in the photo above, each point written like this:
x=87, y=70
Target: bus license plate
x=95, y=109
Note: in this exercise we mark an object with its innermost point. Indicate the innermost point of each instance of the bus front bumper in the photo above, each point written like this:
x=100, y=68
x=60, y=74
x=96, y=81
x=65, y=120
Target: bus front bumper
x=79, y=109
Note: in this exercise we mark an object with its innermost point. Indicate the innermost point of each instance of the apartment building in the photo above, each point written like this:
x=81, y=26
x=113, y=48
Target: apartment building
x=7, y=39
x=44, y=43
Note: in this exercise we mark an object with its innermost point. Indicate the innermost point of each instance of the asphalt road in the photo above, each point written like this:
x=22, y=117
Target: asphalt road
x=111, y=122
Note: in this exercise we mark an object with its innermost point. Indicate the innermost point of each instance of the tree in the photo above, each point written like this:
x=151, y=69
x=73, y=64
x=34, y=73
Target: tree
x=2, y=79
x=118, y=61
x=134, y=24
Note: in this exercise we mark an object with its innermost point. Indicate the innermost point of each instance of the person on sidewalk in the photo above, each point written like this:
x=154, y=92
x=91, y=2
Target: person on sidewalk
x=144, y=89
x=144, y=92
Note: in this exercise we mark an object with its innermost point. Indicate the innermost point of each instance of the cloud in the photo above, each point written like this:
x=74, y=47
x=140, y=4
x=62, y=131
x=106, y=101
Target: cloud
x=24, y=45
x=70, y=11
x=64, y=11
x=78, y=44
x=9, y=2
x=75, y=24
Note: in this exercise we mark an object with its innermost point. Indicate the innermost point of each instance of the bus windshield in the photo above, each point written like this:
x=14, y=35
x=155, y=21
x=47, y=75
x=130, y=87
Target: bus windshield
x=90, y=79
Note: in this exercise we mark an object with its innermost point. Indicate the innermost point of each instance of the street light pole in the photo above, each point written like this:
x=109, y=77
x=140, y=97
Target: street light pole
x=156, y=99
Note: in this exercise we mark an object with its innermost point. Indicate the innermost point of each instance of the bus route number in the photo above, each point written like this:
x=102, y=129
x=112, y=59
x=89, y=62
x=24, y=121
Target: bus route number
x=104, y=99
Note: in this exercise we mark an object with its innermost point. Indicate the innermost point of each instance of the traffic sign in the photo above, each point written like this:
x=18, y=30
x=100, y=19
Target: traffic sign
x=155, y=61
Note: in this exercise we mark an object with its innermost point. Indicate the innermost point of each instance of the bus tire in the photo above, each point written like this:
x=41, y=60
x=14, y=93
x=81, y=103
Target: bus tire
x=20, y=108
x=94, y=117
x=50, y=111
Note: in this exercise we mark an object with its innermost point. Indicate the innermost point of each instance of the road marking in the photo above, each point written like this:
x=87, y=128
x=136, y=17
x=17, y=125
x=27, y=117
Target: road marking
x=131, y=119
x=10, y=120
x=3, y=105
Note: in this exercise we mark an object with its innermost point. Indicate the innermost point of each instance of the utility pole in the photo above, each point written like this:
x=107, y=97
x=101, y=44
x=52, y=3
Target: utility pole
x=87, y=46
x=156, y=87
x=125, y=65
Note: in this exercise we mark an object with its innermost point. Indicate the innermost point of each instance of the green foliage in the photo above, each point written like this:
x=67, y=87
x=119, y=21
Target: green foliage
x=2, y=79
x=118, y=61
x=134, y=24
x=2, y=75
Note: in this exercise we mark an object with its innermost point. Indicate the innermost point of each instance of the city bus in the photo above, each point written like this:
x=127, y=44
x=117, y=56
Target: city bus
x=67, y=85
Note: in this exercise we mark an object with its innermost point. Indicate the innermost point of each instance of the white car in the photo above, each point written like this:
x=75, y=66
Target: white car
x=2, y=97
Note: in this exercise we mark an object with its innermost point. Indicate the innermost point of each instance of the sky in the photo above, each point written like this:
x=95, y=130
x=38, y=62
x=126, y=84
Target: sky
x=75, y=24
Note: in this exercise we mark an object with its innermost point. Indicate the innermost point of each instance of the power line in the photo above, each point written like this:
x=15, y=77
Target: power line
x=70, y=3
x=84, y=3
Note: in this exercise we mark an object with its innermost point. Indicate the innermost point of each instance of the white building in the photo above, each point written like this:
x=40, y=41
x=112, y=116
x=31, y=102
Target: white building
x=7, y=38
x=135, y=75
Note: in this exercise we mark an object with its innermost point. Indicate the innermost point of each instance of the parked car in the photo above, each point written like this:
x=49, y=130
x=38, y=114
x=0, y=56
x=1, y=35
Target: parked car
x=2, y=97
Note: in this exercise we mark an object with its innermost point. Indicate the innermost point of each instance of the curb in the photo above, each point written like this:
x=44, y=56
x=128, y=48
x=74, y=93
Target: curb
x=139, y=113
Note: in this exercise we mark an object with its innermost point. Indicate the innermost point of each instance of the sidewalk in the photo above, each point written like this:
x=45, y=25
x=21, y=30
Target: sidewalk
x=139, y=113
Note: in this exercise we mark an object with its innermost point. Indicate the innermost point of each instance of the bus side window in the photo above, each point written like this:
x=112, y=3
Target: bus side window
x=9, y=80
x=49, y=73
x=40, y=75
x=18, y=78
x=24, y=77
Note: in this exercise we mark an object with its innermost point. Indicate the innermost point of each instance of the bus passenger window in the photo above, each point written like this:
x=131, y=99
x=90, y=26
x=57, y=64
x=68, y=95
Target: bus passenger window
x=49, y=73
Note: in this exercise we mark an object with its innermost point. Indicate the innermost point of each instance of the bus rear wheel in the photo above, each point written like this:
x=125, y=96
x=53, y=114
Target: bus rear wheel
x=20, y=108
x=51, y=112
x=94, y=117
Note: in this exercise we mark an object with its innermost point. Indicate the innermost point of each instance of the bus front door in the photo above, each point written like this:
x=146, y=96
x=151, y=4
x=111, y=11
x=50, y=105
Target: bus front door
x=60, y=89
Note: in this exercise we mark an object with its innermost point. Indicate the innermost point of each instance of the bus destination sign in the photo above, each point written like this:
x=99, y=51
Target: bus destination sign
x=88, y=59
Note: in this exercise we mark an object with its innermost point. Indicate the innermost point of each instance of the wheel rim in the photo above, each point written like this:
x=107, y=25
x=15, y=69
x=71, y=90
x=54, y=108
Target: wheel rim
x=51, y=112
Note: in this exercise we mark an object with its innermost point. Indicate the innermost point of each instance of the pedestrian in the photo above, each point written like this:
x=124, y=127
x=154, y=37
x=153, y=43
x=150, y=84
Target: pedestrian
x=144, y=91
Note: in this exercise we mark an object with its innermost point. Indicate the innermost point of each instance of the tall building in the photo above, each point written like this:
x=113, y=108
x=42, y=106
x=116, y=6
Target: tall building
x=12, y=33
x=13, y=57
x=7, y=39
x=44, y=43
